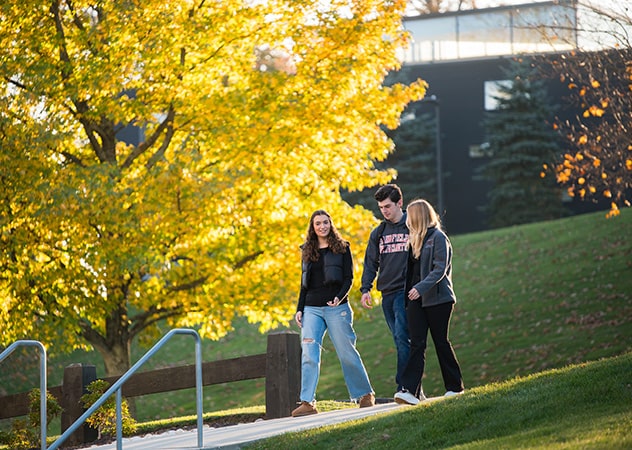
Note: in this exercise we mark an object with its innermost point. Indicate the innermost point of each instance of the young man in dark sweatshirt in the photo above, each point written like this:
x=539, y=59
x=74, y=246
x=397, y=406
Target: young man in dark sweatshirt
x=386, y=256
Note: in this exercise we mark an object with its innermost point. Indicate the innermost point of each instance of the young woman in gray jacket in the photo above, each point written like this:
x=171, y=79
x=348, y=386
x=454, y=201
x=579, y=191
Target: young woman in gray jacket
x=430, y=301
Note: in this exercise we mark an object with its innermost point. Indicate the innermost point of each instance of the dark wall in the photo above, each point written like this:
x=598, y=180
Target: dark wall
x=459, y=86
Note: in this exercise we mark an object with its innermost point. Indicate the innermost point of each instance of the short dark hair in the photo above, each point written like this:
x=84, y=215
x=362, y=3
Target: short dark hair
x=391, y=191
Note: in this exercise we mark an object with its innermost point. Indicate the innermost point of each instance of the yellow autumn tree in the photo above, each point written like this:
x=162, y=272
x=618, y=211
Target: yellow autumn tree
x=159, y=160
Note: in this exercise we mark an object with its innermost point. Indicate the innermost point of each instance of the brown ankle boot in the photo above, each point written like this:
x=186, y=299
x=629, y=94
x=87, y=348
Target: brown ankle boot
x=304, y=409
x=367, y=400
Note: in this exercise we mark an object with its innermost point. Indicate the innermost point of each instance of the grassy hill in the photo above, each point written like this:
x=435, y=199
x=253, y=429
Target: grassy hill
x=580, y=406
x=530, y=298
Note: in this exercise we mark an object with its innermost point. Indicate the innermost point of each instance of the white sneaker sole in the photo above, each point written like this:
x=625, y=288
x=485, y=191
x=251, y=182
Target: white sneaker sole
x=401, y=401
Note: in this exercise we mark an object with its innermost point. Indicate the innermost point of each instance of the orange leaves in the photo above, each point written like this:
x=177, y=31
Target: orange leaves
x=594, y=111
x=564, y=176
x=597, y=164
x=614, y=211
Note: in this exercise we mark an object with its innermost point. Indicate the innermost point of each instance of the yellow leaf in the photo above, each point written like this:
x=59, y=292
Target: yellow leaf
x=596, y=162
x=562, y=177
x=607, y=193
x=581, y=180
x=582, y=139
x=595, y=84
x=595, y=111
x=614, y=211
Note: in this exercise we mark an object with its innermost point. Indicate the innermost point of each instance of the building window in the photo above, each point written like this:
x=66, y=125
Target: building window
x=494, y=92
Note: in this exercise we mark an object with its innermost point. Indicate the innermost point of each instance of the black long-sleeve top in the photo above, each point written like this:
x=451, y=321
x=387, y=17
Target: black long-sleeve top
x=317, y=293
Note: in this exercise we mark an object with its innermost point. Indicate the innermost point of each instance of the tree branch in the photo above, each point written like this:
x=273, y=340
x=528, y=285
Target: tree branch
x=142, y=321
x=144, y=146
x=247, y=259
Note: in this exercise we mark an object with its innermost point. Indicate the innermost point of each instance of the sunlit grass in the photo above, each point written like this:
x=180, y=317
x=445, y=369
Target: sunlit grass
x=580, y=406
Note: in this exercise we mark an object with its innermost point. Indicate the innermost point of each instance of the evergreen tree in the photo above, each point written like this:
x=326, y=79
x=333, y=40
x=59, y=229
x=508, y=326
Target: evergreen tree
x=521, y=140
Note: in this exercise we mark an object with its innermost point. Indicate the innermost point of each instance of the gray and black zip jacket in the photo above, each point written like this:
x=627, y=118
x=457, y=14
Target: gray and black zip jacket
x=387, y=257
x=435, y=270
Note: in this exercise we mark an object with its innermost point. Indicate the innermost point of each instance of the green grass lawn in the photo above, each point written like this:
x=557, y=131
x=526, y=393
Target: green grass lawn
x=530, y=298
x=581, y=406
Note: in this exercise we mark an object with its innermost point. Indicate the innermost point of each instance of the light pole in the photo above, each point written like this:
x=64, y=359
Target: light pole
x=435, y=101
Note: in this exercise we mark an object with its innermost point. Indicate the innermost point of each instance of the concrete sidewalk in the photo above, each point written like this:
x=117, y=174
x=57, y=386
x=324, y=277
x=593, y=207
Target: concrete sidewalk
x=235, y=436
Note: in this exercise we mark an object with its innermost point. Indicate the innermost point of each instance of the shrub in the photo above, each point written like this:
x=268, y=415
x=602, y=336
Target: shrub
x=104, y=418
x=25, y=434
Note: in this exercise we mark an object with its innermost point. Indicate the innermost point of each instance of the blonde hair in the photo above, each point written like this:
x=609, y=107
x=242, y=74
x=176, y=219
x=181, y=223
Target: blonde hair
x=420, y=215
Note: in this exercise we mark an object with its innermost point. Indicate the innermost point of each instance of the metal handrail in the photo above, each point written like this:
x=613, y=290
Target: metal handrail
x=24, y=343
x=116, y=387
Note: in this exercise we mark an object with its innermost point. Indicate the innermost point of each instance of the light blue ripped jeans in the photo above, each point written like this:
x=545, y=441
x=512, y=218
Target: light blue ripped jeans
x=338, y=320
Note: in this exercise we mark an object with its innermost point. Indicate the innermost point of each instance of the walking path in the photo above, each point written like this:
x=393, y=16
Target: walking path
x=235, y=436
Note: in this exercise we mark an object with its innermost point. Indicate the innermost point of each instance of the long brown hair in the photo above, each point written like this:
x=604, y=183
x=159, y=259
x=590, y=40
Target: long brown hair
x=310, y=247
x=420, y=215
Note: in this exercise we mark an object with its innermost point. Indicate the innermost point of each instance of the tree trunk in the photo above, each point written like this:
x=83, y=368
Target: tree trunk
x=117, y=358
x=114, y=348
x=115, y=345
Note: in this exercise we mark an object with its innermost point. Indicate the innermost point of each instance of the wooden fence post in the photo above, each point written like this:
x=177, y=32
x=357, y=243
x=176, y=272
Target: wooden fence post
x=76, y=378
x=283, y=373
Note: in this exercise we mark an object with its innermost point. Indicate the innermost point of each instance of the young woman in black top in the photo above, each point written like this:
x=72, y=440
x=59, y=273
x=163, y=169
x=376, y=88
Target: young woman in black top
x=327, y=274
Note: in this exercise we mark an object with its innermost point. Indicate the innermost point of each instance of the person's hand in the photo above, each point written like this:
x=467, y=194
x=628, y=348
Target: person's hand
x=334, y=302
x=413, y=294
x=299, y=318
x=366, y=300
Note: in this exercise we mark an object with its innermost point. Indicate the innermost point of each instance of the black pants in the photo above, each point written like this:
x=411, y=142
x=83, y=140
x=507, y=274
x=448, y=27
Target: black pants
x=437, y=320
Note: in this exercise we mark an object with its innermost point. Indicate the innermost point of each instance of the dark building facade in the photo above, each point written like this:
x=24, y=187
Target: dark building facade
x=460, y=88
x=461, y=56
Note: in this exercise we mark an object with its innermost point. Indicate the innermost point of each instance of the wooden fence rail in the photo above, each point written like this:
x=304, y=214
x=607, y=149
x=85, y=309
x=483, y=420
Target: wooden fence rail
x=280, y=366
